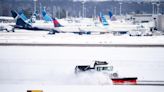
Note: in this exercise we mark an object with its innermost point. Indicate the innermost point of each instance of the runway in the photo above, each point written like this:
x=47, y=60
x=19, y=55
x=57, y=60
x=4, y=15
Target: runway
x=41, y=38
x=150, y=83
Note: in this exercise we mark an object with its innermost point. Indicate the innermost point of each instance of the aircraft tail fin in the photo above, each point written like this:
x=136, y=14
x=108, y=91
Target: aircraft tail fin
x=46, y=17
x=21, y=14
x=112, y=18
x=110, y=14
x=56, y=23
x=14, y=14
x=35, y=14
x=103, y=20
x=20, y=22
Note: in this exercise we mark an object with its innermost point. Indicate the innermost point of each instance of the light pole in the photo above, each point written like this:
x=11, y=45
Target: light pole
x=53, y=10
x=95, y=12
x=79, y=14
x=153, y=8
x=59, y=12
x=35, y=4
x=115, y=10
x=83, y=2
x=158, y=4
x=40, y=11
x=120, y=8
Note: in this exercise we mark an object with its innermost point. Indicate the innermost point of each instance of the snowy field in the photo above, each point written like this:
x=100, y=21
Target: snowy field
x=52, y=68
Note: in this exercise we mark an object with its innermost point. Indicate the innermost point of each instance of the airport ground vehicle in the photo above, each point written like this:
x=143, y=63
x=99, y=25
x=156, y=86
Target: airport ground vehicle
x=98, y=66
x=8, y=28
x=140, y=33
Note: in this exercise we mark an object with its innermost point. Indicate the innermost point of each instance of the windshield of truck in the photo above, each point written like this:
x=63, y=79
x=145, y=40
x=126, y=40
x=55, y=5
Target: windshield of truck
x=107, y=68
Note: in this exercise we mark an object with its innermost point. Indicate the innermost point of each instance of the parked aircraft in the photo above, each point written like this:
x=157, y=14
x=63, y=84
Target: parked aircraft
x=118, y=27
x=53, y=26
x=23, y=23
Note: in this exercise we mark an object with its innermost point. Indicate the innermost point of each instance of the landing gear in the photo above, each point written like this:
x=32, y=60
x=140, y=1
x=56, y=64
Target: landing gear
x=53, y=32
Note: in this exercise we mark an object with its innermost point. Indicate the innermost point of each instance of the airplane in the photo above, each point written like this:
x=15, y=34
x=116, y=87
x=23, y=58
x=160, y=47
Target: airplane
x=77, y=29
x=118, y=27
x=23, y=23
x=54, y=26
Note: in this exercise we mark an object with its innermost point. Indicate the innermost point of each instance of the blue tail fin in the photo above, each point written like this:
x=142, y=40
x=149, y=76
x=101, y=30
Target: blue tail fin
x=21, y=14
x=112, y=18
x=110, y=14
x=35, y=14
x=46, y=17
x=103, y=20
x=20, y=22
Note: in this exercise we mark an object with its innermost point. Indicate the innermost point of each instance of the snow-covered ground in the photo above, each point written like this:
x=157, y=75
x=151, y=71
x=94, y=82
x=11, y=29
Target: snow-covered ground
x=42, y=37
x=56, y=64
x=51, y=68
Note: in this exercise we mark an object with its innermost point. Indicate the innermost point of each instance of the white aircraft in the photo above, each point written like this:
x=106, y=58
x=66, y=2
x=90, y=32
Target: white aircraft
x=80, y=28
x=117, y=27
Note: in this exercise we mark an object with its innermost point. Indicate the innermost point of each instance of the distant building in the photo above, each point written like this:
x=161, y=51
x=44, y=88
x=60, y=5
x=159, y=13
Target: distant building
x=160, y=23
